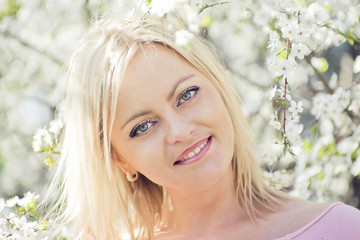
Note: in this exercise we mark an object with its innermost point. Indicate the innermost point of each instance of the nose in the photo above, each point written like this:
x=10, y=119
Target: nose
x=179, y=128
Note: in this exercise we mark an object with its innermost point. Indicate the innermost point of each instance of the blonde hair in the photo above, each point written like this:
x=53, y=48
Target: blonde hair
x=94, y=194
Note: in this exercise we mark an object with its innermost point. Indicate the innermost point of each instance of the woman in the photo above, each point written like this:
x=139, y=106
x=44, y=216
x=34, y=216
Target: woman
x=156, y=147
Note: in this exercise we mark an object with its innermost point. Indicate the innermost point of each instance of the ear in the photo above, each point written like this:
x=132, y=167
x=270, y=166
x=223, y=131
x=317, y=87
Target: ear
x=119, y=162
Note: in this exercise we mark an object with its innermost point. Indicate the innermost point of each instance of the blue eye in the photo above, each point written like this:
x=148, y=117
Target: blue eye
x=187, y=95
x=142, y=128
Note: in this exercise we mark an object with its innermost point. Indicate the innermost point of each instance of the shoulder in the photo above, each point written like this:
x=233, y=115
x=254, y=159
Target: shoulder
x=331, y=221
x=296, y=213
x=342, y=215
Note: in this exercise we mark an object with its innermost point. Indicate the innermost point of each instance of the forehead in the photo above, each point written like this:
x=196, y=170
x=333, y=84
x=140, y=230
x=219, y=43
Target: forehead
x=155, y=61
x=150, y=75
x=154, y=65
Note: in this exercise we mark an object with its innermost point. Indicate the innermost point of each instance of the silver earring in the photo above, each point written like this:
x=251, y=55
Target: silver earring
x=132, y=177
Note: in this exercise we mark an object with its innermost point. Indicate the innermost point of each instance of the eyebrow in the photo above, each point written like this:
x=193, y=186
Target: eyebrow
x=171, y=94
x=135, y=116
x=182, y=79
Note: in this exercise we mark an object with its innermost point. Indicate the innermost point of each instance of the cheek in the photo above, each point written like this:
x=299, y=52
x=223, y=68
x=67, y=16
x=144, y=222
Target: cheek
x=221, y=120
x=144, y=156
x=215, y=110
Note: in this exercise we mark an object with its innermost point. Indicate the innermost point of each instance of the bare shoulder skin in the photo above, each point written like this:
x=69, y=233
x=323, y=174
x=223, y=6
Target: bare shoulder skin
x=293, y=215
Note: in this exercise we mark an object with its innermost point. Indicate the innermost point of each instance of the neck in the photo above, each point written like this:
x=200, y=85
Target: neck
x=196, y=212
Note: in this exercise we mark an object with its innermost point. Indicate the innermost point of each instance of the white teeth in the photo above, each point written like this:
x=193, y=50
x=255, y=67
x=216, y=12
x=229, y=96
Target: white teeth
x=195, y=152
x=191, y=154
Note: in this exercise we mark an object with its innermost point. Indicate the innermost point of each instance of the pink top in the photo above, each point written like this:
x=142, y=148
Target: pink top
x=338, y=222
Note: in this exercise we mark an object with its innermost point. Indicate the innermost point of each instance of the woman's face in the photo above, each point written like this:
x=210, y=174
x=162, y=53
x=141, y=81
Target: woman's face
x=171, y=123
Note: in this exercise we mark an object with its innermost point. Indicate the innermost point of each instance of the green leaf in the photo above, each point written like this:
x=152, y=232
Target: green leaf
x=307, y=145
x=331, y=148
x=320, y=176
x=351, y=37
x=33, y=215
x=11, y=9
x=322, y=152
x=2, y=162
x=314, y=130
x=44, y=149
x=272, y=24
x=304, y=3
x=291, y=152
x=21, y=211
x=324, y=65
x=49, y=161
x=355, y=154
x=328, y=8
x=31, y=205
x=206, y=21
x=279, y=78
x=43, y=225
x=282, y=54
x=310, y=183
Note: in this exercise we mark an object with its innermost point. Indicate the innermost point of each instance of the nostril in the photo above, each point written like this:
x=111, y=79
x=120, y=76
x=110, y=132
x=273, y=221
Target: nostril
x=180, y=131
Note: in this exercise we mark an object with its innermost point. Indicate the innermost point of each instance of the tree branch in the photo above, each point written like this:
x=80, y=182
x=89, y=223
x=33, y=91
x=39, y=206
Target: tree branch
x=320, y=76
x=205, y=6
x=288, y=46
x=8, y=34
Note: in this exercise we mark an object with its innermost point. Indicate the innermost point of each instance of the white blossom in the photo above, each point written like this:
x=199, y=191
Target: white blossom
x=281, y=92
x=29, y=229
x=12, y=201
x=315, y=13
x=183, y=37
x=279, y=179
x=274, y=41
x=293, y=133
x=2, y=204
x=19, y=222
x=355, y=106
x=191, y=17
x=3, y=222
x=355, y=168
x=342, y=97
x=296, y=108
x=299, y=50
x=355, y=102
x=285, y=67
x=272, y=92
x=356, y=67
x=318, y=63
x=41, y=139
x=28, y=197
x=274, y=121
x=290, y=31
x=56, y=126
x=353, y=15
x=161, y=7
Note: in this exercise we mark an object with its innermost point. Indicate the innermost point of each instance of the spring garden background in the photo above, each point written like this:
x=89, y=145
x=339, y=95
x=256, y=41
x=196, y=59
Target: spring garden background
x=296, y=64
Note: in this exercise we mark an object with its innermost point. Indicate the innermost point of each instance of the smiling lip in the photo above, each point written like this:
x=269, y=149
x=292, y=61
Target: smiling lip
x=194, y=153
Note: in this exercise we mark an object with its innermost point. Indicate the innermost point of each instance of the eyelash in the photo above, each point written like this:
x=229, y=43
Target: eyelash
x=134, y=132
x=192, y=90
